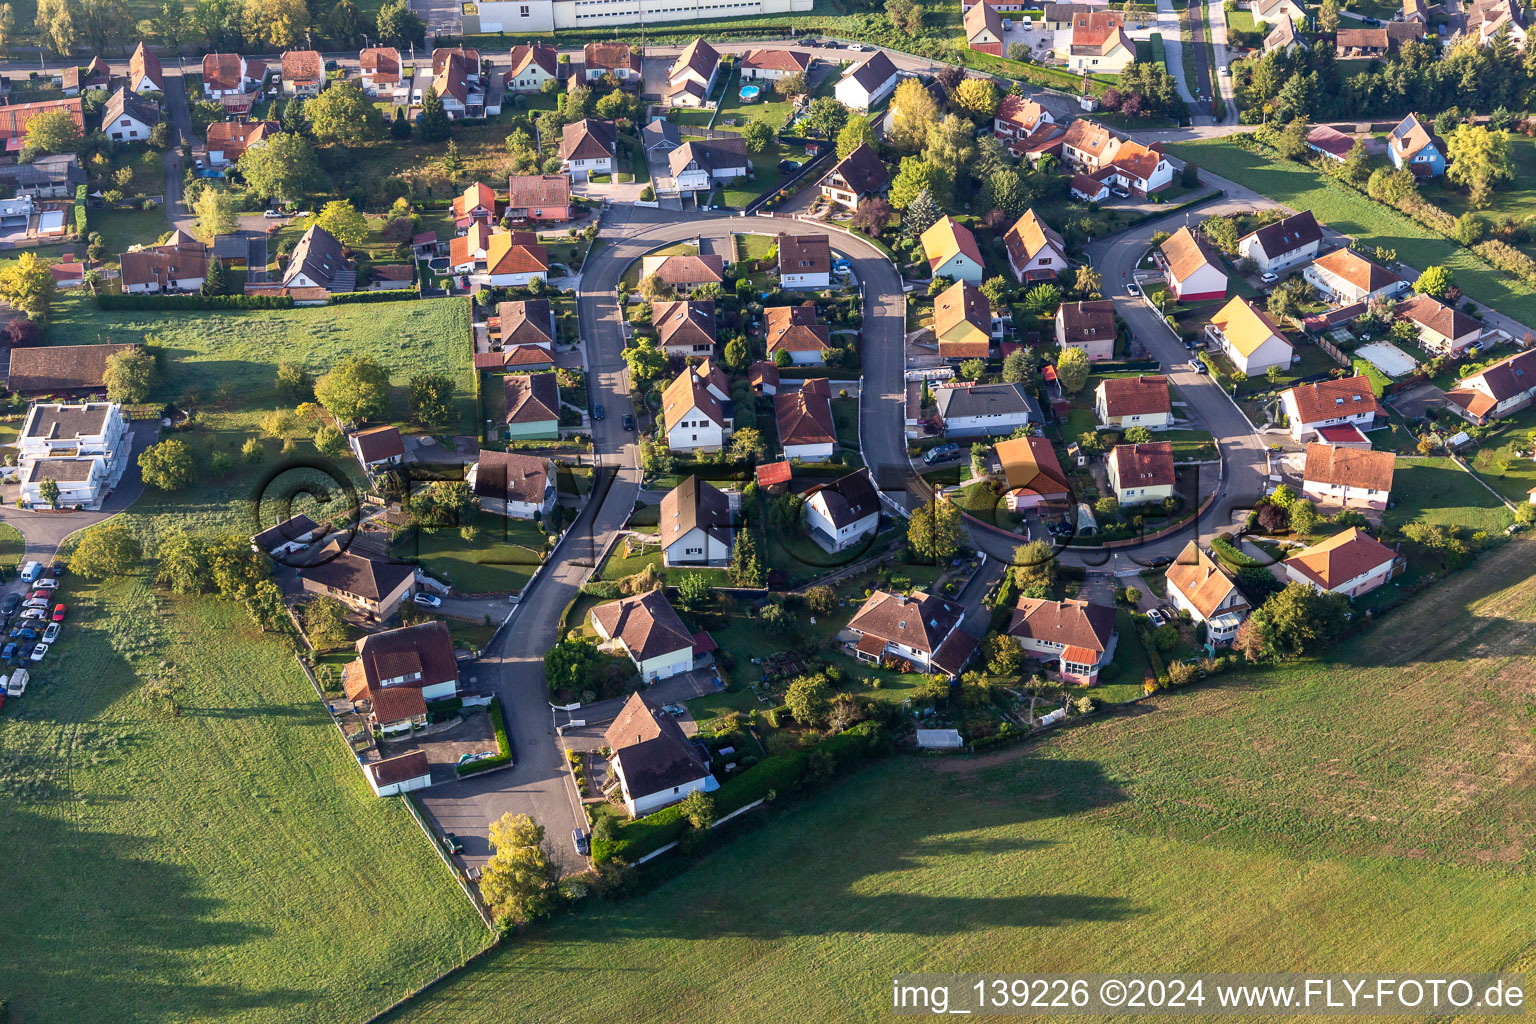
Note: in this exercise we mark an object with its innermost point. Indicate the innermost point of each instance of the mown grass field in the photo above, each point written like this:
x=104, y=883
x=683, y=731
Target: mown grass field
x=1371, y=810
x=1438, y=492
x=1301, y=188
x=229, y=864
x=501, y=557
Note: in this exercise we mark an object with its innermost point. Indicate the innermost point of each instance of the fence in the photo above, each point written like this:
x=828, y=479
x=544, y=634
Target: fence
x=1334, y=352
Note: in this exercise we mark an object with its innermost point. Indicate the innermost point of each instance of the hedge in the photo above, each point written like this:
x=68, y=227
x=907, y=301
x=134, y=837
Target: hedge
x=382, y=295
x=1229, y=553
x=192, y=302
x=503, y=745
x=82, y=214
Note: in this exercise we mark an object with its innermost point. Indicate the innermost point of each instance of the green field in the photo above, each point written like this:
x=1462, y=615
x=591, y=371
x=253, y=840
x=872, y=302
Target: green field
x=1438, y=492
x=229, y=864
x=1370, y=810
x=1504, y=462
x=1370, y=222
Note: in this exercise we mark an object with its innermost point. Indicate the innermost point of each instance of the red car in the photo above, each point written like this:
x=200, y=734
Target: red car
x=36, y=594
x=58, y=612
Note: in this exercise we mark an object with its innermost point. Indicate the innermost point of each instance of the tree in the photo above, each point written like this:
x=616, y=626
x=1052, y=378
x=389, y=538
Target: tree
x=913, y=109
x=103, y=22
x=1043, y=299
x=1479, y=159
x=736, y=355
x=1435, y=281
x=54, y=131
x=429, y=395
x=7, y=25
x=357, y=389
x=167, y=465
x=746, y=566
x=1004, y=656
x=693, y=590
x=130, y=376
x=296, y=116
x=108, y=551
x=949, y=149
x=400, y=128
x=1088, y=283
x=216, y=212
x=1284, y=302
x=1107, y=507
x=1328, y=17
x=1469, y=229
x=1292, y=143
x=934, y=530
x=792, y=85
x=518, y=883
x=757, y=135
x=807, y=699
x=976, y=98
x=433, y=124
x=217, y=281
x=747, y=444
x=28, y=286
x=1072, y=369
x=646, y=362
x=1138, y=435
x=345, y=25
x=344, y=222
x=921, y=214
x=1303, y=517
x=569, y=662
x=698, y=808
x=283, y=167
x=655, y=458
x=973, y=369
x=825, y=117
x=872, y=215
x=399, y=25
x=325, y=621
x=342, y=115
x=821, y=601
x=1357, y=163
x=1017, y=367
x=293, y=381
x=1034, y=568
x=55, y=21
x=859, y=131
x=283, y=23
x=48, y=490
x=1300, y=620
x=1222, y=231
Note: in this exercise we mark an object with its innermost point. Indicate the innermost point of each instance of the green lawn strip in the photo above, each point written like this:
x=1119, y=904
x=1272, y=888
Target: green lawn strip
x=209, y=865
x=1437, y=491
x=1189, y=445
x=1367, y=221
x=500, y=558
x=11, y=545
x=1504, y=462
x=845, y=412
x=122, y=228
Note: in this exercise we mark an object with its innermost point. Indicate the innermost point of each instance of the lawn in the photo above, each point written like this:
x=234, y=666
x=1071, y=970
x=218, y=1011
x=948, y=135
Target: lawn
x=1372, y=223
x=1271, y=820
x=1505, y=462
x=1189, y=445
x=122, y=228
x=228, y=359
x=733, y=109
x=11, y=546
x=1437, y=491
x=500, y=558
x=227, y=864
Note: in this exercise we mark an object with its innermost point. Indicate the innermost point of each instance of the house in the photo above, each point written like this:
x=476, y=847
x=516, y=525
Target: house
x=1249, y=338
x=177, y=267
x=1274, y=10
x=646, y=629
x=1088, y=147
x=1344, y=277
x=378, y=69
x=1335, y=477
x=699, y=64
x=655, y=764
x=468, y=251
x=805, y=262
x=1360, y=42
x=865, y=84
x=229, y=74
x=1035, y=251
x=962, y=322
x=68, y=274
x=82, y=448
x=15, y=117
x=399, y=670
x=660, y=136
x=229, y=140
x=985, y=410
x=1492, y=393
x=1330, y=142
x=516, y=359
x=695, y=524
x=533, y=406
x=1085, y=188
x=1310, y=407
x=1275, y=248
x=456, y=81
x=1349, y=563
x=513, y=259
x=699, y=165
x=377, y=448
x=794, y=329
x=696, y=410
x=391, y=277
x=952, y=251
x=588, y=147
x=53, y=369
x=319, y=261
x=984, y=29
x=905, y=627
x=127, y=118
x=513, y=485
x=403, y=773
x=773, y=65
x=1057, y=17
x=1416, y=12
x=859, y=174
x=684, y=272
x=1125, y=402
x=292, y=534
x=371, y=586
x=1141, y=473
x=842, y=513
x=533, y=64
x=1139, y=169
x=1197, y=584
x=1099, y=43
x=807, y=430
x=684, y=328
x=1282, y=37
x=144, y=74
x=56, y=176
x=1412, y=145
x=1017, y=118
x=1443, y=329
x=1073, y=639
x=303, y=73
x=617, y=59
x=75, y=80
x=763, y=377
x=539, y=197
x=477, y=203
x=1089, y=326
x=1033, y=474
x=1194, y=272
x=1486, y=19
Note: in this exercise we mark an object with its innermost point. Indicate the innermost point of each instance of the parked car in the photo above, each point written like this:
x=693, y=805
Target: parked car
x=273, y=214
x=598, y=412
x=59, y=611
x=57, y=568
x=47, y=584
x=38, y=595
x=451, y=844
x=785, y=166
x=579, y=837
x=1120, y=193
x=1200, y=367
x=1133, y=288
x=24, y=633
x=938, y=454
x=1155, y=617
x=34, y=615
x=9, y=651
x=427, y=600
x=1223, y=72
x=40, y=652
x=10, y=604
x=1269, y=278
x=16, y=685
x=856, y=47
x=51, y=633
x=629, y=422
x=673, y=709
x=35, y=602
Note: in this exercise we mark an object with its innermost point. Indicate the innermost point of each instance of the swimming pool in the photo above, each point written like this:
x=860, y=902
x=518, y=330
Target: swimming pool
x=749, y=93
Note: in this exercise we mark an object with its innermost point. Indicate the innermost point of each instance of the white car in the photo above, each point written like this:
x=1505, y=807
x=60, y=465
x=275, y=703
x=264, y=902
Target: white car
x=37, y=602
x=1133, y=288
x=273, y=214
x=1222, y=71
x=52, y=632
x=46, y=583
x=39, y=652
x=856, y=47
x=428, y=600
x=1269, y=278
x=16, y=685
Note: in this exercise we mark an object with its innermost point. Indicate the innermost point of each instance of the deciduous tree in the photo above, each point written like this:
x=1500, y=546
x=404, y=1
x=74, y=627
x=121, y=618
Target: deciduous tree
x=130, y=376
x=108, y=551
x=933, y=531
x=167, y=465
x=1072, y=369
x=859, y=131
x=28, y=286
x=913, y=109
x=357, y=389
x=283, y=167
x=518, y=883
x=342, y=115
x=54, y=131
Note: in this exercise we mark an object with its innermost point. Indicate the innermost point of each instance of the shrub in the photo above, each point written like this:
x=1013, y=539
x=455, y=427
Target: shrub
x=503, y=746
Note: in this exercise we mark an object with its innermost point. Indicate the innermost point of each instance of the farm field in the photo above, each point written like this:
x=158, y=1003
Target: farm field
x=1312, y=802
x=225, y=864
x=1373, y=223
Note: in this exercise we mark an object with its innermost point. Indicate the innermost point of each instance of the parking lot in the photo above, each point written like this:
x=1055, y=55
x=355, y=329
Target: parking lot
x=33, y=613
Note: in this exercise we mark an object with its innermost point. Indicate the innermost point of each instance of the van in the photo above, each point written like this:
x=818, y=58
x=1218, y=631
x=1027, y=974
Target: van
x=944, y=451
x=32, y=571
x=17, y=684
x=1027, y=21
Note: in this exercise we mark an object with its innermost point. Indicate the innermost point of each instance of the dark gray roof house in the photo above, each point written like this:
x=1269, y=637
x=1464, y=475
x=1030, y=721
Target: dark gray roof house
x=988, y=408
x=319, y=261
